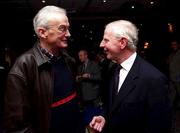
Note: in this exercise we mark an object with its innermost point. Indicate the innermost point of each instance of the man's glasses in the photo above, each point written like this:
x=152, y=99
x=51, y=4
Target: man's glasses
x=61, y=28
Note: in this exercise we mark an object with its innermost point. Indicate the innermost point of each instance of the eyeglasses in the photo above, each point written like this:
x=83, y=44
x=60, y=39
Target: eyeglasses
x=61, y=28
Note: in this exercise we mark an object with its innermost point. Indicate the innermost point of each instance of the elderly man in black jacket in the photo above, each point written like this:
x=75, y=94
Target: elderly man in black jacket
x=41, y=94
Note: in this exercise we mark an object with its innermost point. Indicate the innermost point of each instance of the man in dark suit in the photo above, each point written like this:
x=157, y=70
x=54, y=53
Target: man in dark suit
x=141, y=102
x=88, y=78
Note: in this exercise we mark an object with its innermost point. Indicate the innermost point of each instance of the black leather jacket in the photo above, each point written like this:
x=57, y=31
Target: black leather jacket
x=29, y=92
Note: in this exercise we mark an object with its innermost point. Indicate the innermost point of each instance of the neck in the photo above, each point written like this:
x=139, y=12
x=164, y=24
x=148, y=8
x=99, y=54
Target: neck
x=52, y=50
x=124, y=56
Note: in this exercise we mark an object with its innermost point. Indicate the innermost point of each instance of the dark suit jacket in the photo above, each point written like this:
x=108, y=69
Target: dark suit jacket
x=142, y=104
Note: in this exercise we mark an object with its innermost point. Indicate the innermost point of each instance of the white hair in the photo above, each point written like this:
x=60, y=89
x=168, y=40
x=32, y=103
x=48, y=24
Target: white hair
x=126, y=29
x=45, y=14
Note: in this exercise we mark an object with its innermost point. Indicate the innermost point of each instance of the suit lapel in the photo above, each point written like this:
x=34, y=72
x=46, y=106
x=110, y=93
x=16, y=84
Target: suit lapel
x=128, y=85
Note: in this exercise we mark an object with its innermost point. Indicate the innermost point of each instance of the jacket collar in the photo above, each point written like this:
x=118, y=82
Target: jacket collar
x=40, y=57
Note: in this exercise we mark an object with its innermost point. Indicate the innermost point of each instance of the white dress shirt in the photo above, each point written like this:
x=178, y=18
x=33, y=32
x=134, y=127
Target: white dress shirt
x=126, y=66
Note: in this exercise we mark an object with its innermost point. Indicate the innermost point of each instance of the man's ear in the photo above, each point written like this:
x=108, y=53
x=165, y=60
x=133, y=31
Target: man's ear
x=123, y=42
x=42, y=32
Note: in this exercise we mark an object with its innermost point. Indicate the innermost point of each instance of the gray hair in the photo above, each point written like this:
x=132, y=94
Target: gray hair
x=45, y=14
x=126, y=29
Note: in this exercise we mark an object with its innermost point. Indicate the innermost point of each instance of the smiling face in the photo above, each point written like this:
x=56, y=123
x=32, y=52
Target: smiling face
x=55, y=35
x=58, y=32
x=111, y=45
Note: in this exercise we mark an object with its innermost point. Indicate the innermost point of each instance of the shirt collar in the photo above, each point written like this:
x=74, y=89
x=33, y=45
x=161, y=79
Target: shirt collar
x=49, y=55
x=127, y=64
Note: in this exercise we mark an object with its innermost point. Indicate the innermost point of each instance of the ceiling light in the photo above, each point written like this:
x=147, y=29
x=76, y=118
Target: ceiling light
x=43, y=1
x=104, y=1
x=152, y=2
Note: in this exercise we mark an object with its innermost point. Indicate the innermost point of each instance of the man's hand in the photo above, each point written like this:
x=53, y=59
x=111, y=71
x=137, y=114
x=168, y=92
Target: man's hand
x=97, y=123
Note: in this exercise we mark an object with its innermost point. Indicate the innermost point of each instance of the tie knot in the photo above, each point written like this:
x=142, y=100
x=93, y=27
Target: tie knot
x=118, y=68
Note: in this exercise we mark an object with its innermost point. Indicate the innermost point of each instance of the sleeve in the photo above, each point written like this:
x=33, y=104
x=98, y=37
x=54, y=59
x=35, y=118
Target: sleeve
x=17, y=108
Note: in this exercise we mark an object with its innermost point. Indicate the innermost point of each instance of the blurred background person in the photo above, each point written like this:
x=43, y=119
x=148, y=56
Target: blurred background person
x=105, y=65
x=89, y=78
x=174, y=73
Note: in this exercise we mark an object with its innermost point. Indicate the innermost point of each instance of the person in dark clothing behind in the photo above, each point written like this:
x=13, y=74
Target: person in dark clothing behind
x=105, y=65
x=41, y=94
x=88, y=79
x=140, y=101
x=174, y=73
x=4, y=68
x=3, y=73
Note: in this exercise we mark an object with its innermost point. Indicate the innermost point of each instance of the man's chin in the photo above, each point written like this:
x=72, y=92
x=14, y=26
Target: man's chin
x=108, y=56
x=63, y=45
